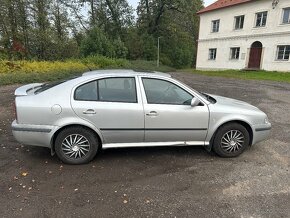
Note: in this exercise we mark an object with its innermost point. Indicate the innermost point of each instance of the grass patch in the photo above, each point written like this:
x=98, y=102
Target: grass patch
x=20, y=72
x=246, y=75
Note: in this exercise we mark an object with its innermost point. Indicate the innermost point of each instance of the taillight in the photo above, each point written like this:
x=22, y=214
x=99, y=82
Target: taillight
x=15, y=111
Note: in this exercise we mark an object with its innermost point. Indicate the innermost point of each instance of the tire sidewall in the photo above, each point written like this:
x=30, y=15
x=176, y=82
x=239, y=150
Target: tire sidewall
x=223, y=130
x=81, y=131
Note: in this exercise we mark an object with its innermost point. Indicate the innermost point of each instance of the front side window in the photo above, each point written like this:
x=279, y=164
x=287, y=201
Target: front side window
x=235, y=53
x=164, y=92
x=212, y=54
x=108, y=90
x=286, y=15
x=239, y=22
x=261, y=19
x=215, y=26
x=283, y=52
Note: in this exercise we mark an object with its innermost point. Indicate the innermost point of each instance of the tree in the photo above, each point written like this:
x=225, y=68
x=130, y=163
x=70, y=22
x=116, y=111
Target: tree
x=176, y=23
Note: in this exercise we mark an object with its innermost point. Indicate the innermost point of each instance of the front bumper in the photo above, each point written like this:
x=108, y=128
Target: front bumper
x=36, y=135
x=261, y=132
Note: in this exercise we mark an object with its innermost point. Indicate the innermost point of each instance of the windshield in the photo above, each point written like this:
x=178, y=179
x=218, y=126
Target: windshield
x=47, y=86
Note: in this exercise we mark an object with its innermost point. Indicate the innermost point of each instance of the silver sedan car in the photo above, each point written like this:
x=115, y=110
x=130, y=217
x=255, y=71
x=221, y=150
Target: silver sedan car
x=123, y=108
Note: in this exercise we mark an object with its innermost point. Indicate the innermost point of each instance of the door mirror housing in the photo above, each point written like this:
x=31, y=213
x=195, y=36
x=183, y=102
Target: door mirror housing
x=194, y=102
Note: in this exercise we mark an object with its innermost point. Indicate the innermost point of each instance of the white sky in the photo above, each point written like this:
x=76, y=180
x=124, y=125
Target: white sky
x=134, y=3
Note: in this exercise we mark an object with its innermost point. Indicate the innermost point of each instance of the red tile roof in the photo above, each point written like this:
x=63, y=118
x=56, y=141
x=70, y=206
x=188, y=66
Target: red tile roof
x=222, y=4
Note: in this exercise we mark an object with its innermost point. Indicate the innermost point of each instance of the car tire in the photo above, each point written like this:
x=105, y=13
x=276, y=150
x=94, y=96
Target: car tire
x=231, y=140
x=76, y=145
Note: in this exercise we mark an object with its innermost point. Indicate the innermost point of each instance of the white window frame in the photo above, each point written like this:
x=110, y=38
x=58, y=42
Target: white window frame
x=240, y=23
x=235, y=53
x=283, y=14
x=284, y=53
x=210, y=54
x=261, y=21
x=215, y=28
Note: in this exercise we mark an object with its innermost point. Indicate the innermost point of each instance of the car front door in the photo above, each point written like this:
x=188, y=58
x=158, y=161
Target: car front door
x=169, y=116
x=114, y=106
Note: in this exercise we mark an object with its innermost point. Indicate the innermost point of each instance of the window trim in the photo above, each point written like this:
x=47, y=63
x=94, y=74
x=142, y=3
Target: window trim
x=212, y=25
x=119, y=77
x=256, y=18
x=277, y=53
x=235, y=22
x=142, y=78
x=209, y=54
x=231, y=53
x=283, y=13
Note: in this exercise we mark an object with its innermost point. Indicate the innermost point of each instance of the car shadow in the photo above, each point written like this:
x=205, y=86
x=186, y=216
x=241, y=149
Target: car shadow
x=40, y=153
x=136, y=152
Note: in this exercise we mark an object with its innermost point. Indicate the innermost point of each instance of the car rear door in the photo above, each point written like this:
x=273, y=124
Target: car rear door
x=169, y=116
x=113, y=105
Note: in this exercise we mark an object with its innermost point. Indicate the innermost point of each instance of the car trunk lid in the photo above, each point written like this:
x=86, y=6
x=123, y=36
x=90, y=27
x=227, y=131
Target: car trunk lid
x=27, y=89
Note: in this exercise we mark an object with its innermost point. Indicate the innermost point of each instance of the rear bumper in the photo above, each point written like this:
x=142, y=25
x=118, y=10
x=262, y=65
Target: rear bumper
x=37, y=135
x=261, y=133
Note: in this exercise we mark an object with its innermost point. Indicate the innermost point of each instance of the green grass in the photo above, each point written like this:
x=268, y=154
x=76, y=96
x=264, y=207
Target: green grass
x=246, y=75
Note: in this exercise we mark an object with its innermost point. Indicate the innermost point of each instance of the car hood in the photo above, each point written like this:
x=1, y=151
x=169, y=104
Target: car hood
x=230, y=102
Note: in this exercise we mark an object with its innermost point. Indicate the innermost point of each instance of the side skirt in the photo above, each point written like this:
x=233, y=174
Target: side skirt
x=154, y=144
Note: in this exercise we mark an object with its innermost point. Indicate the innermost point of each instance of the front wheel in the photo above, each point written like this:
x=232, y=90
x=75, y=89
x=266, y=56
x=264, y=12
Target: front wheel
x=76, y=145
x=231, y=140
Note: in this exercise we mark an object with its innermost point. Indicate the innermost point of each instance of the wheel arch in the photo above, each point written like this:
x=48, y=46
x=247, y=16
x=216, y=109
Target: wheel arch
x=56, y=133
x=241, y=122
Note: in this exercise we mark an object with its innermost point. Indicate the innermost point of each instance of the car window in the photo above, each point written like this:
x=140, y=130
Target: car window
x=87, y=92
x=164, y=92
x=108, y=90
x=118, y=90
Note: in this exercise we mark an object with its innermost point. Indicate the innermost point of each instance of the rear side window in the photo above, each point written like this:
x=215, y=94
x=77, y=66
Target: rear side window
x=87, y=92
x=108, y=90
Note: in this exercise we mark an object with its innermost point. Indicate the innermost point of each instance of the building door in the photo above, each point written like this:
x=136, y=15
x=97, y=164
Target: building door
x=255, y=55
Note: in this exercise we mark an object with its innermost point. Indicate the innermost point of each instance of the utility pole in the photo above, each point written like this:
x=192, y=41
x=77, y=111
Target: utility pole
x=158, y=51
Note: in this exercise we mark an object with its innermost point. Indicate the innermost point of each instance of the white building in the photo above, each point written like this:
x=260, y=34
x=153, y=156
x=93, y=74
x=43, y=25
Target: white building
x=245, y=34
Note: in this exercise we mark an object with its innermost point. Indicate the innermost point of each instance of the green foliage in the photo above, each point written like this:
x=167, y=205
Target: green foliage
x=97, y=43
x=59, y=29
x=12, y=72
x=104, y=62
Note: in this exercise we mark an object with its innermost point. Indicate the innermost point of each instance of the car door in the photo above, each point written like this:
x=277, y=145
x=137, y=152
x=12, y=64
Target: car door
x=113, y=105
x=169, y=116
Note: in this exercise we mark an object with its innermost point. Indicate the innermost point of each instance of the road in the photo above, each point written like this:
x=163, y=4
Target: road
x=155, y=182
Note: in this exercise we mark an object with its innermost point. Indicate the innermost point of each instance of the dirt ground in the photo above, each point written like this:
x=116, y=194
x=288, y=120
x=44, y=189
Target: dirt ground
x=155, y=182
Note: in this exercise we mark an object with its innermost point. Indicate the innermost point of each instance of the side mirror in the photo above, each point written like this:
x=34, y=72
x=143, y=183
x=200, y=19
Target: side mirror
x=194, y=102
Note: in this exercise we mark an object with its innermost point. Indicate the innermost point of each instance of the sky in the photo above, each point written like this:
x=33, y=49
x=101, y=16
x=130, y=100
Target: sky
x=134, y=3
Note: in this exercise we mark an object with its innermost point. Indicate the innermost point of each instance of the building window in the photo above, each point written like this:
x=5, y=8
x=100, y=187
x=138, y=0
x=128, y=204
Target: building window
x=283, y=52
x=235, y=53
x=261, y=19
x=212, y=54
x=215, y=26
x=239, y=22
x=286, y=15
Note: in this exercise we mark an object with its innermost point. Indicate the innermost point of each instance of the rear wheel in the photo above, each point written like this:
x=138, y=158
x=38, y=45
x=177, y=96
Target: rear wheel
x=231, y=140
x=76, y=145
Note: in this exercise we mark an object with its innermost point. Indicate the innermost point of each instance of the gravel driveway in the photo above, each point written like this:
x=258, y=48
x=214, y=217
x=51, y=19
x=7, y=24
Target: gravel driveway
x=155, y=182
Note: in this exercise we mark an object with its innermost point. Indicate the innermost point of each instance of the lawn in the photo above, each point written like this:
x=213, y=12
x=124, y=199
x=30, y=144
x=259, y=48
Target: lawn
x=247, y=75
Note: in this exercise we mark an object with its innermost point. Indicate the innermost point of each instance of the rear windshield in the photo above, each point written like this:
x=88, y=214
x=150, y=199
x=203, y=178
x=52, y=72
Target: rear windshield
x=47, y=86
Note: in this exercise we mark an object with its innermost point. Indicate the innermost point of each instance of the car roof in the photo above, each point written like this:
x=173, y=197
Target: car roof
x=122, y=72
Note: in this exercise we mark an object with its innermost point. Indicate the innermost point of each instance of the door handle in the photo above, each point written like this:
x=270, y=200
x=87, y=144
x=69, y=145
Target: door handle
x=89, y=111
x=152, y=114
